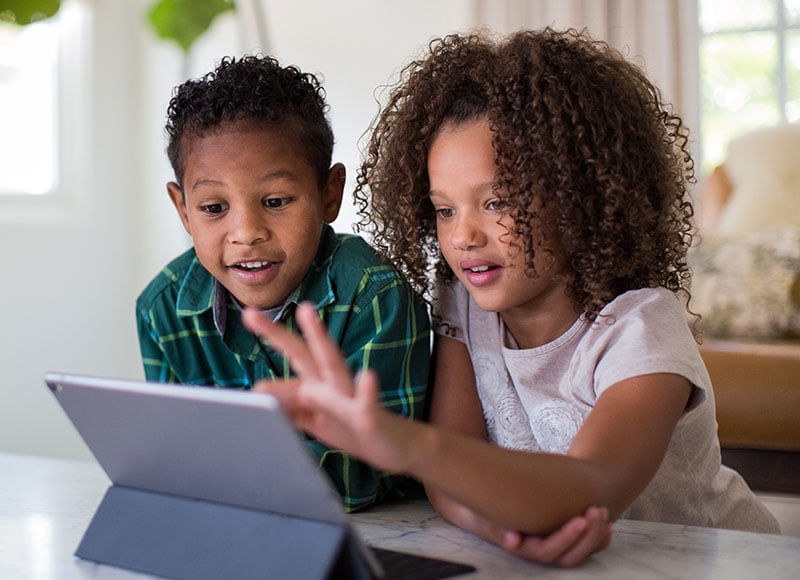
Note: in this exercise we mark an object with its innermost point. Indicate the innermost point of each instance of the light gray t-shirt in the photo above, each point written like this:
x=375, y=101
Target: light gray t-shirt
x=536, y=399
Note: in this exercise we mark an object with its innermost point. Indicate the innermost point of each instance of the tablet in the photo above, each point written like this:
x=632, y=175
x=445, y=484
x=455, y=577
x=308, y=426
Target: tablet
x=231, y=447
x=183, y=449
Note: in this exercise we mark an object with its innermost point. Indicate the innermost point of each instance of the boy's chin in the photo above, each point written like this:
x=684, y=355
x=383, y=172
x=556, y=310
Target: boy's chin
x=255, y=303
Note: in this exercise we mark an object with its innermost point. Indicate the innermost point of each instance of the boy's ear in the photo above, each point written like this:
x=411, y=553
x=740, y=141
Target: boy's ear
x=334, y=189
x=176, y=195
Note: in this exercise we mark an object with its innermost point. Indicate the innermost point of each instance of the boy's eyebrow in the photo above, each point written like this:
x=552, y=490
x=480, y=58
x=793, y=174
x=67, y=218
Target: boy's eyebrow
x=279, y=174
x=269, y=176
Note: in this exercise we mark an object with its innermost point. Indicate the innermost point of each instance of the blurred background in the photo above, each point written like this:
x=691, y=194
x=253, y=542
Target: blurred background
x=85, y=221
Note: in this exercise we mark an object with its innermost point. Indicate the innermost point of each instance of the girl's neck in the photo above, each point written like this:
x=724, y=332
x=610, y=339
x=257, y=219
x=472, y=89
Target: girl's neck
x=533, y=327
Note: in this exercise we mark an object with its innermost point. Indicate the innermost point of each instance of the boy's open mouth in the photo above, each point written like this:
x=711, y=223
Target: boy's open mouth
x=254, y=266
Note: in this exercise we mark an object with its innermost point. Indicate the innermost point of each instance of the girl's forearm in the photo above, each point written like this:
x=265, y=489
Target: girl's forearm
x=534, y=493
x=452, y=511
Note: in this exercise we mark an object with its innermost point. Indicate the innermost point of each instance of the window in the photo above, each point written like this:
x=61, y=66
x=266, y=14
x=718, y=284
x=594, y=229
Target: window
x=28, y=93
x=749, y=69
x=44, y=110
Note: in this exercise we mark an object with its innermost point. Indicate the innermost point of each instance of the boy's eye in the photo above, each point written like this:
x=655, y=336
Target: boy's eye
x=276, y=202
x=212, y=208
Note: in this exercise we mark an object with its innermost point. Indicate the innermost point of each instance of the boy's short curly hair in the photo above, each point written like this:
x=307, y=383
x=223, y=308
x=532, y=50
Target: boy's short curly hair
x=584, y=145
x=254, y=89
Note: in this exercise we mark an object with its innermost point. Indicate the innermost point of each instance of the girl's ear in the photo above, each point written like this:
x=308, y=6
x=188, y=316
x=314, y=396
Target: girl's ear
x=178, y=200
x=334, y=189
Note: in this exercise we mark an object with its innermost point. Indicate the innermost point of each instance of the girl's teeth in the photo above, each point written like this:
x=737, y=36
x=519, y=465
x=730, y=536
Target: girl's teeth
x=479, y=269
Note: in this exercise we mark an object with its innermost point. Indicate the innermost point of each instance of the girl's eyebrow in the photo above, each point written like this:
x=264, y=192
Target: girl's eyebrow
x=492, y=185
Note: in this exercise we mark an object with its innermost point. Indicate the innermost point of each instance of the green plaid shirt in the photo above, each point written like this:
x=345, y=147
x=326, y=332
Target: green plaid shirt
x=190, y=332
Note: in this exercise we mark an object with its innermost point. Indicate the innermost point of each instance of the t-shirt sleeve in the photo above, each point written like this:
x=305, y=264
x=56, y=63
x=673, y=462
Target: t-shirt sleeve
x=646, y=332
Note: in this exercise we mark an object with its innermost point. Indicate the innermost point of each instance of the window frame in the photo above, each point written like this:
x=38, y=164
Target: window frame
x=69, y=197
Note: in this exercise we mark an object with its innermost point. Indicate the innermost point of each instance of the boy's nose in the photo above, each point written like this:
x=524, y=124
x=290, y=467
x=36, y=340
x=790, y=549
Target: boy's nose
x=248, y=229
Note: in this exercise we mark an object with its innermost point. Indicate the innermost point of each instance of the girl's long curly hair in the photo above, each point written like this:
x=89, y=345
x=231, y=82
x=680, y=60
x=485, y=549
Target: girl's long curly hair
x=588, y=155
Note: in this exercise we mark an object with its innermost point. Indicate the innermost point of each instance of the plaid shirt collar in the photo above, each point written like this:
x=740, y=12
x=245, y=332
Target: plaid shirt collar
x=200, y=291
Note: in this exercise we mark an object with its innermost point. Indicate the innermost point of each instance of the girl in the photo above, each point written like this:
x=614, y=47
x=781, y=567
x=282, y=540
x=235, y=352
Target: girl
x=544, y=180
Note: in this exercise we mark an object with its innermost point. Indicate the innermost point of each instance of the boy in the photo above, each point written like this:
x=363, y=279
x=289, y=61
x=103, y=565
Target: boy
x=251, y=148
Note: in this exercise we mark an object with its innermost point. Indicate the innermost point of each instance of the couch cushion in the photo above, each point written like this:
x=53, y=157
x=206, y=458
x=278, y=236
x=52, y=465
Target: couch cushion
x=757, y=391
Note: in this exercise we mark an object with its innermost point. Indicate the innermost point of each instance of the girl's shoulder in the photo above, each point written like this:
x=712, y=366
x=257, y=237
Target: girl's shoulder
x=648, y=323
x=640, y=332
x=651, y=304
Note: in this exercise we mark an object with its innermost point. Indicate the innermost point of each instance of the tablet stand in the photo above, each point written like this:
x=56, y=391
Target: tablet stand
x=180, y=537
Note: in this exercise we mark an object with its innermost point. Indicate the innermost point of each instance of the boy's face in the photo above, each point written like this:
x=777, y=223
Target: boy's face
x=254, y=209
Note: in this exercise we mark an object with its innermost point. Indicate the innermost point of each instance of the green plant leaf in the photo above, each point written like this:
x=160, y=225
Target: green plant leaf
x=26, y=11
x=183, y=21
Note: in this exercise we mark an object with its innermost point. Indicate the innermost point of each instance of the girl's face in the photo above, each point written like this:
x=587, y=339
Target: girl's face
x=473, y=228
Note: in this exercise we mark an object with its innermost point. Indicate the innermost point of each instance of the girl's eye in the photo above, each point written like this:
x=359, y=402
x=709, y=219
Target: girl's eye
x=212, y=208
x=276, y=202
x=445, y=212
x=500, y=205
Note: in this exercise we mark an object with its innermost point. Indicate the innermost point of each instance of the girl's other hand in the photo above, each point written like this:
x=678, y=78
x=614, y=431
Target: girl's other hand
x=568, y=546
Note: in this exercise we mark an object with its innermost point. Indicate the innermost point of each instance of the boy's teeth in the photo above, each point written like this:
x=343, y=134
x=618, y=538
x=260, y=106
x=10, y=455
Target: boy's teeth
x=479, y=268
x=252, y=265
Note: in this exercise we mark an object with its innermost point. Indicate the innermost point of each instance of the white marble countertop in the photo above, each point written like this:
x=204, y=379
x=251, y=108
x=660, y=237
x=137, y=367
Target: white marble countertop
x=638, y=549
x=46, y=505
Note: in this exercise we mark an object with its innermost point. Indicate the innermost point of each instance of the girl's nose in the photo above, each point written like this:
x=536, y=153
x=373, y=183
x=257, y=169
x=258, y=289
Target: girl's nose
x=467, y=233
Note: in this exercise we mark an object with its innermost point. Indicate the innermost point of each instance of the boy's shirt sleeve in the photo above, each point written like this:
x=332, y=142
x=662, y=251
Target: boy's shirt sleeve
x=386, y=329
x=156, y=365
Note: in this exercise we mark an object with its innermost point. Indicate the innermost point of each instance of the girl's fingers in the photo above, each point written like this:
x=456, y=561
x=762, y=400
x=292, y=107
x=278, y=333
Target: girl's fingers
x=367, y=386
x=292, y=346
x=328, y=359
x=597, y=537
x=511, y=540
x=572, y=543
x=549, y=549
x=284, y=390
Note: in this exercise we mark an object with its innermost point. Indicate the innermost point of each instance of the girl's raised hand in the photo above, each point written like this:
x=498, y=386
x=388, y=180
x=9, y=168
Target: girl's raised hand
x=324, y=400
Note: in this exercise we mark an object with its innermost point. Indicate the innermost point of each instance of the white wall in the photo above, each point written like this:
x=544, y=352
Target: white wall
x=69, y=285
